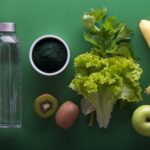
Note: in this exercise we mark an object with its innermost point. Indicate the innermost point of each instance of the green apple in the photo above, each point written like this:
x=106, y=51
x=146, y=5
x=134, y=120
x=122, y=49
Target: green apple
x=141, y=120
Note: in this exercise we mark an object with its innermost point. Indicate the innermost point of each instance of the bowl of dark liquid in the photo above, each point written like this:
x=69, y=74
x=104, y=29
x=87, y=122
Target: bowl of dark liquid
x=49, y=55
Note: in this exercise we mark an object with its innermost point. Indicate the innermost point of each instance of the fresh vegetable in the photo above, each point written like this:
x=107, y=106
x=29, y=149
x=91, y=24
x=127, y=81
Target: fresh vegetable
x=45, y=105
x=103, y=81
x=107, y=36
x=67, y=114
x=107, y=72
x=145, y=30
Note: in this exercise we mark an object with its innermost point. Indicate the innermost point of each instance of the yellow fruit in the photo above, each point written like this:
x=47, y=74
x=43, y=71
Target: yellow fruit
x=145, y=30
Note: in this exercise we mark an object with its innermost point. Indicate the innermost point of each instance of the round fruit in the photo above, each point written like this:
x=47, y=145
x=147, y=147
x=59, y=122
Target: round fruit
x=45, y=105
x=67, y=114
x=141, y=120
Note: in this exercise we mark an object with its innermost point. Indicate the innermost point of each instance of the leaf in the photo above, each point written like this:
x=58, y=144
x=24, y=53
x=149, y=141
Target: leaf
x=130, y=93
x=103, y=103
x=108, y=24
x=124, y=34
x=98, y=14
x=94, y=39
x=108, y=35
x=86, y=107
x=98, y=51
x=123, y=49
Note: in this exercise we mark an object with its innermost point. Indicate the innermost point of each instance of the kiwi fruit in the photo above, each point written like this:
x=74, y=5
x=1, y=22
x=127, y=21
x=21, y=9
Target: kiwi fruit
x=45, y=105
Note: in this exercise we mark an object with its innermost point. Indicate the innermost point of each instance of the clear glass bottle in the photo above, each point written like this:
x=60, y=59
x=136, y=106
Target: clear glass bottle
x=10, y=77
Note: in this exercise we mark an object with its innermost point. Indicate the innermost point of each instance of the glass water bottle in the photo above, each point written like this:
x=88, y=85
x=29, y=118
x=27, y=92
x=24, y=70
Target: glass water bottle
x=10, y=77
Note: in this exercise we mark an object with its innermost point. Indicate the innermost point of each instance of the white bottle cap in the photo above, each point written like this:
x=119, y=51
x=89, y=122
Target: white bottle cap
x=7, y=27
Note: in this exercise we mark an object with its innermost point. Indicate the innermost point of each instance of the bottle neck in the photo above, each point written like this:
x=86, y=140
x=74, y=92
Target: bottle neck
x=7, y=33
x=8, y=37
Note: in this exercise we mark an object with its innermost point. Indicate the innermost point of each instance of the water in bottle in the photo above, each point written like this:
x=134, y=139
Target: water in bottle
x=10, y=77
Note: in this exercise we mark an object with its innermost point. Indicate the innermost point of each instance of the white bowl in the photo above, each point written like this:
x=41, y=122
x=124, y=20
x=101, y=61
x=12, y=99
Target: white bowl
x=49, y=37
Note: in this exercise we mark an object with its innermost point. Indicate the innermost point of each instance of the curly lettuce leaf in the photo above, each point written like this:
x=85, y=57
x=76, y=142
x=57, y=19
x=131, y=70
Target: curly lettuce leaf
x=103, y=81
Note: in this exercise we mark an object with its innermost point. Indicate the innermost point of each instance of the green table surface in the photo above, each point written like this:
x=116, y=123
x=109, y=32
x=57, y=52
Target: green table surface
x=35, y=18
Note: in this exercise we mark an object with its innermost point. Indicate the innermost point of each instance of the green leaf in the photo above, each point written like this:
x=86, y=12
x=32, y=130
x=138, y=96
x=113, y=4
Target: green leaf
x=103, y=103
x=122, y=49
x=98, y=14
x=108, y=25
x=94, y=39
x=124, y=34
x=98, y=51
x=107, y=34
x=130, y=93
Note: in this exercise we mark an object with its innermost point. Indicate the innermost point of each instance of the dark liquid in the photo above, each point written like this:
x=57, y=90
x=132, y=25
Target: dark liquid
x=49, y=55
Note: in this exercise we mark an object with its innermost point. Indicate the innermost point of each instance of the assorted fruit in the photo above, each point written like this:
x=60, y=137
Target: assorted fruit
x=145, y=30
x=105, y=74
x=46, y=105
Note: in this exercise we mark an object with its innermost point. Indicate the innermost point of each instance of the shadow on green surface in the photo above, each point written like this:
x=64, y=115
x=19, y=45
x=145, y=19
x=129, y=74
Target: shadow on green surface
x=9, y=143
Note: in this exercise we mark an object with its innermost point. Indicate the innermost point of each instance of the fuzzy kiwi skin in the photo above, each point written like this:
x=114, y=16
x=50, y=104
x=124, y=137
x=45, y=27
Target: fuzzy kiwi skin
x=67, y=114
x=42, y=99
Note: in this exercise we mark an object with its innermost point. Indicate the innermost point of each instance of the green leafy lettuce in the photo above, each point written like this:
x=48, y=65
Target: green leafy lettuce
x=106, y=34
x=107, y=72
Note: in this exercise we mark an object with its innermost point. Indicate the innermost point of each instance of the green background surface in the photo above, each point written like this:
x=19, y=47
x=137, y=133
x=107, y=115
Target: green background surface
x=35, y=18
